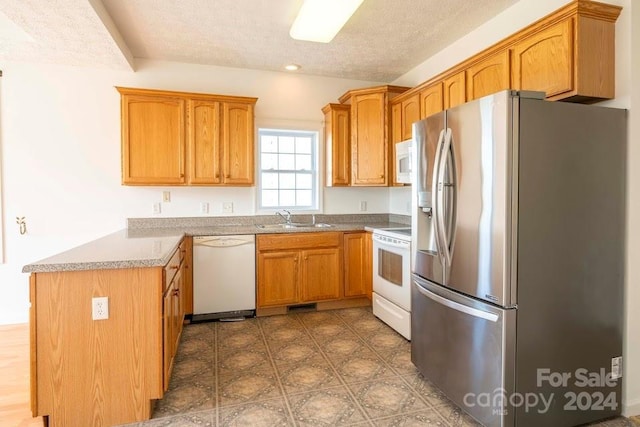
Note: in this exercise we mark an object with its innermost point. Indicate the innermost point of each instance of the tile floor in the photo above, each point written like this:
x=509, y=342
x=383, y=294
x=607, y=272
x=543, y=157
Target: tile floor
x=328, y=368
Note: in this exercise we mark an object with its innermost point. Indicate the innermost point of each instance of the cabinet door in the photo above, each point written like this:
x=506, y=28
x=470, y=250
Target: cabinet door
x=369, y=142
x=489, y=76
x=238, y=143
x=455, y=90
x=321, y=274
x=337, y=144
x=187, y=275
x=544, y=61
x=410, y=114
x=204, y=142
x=357, y=264
x=277, y=278
x=176, y=312
x=167, y=335
x=153, y=135
x=431, y=101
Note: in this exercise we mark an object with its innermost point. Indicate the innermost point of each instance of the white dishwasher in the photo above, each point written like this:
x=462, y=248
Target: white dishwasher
x=224, y=277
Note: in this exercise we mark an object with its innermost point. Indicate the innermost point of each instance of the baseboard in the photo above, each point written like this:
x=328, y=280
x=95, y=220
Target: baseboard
x=631, y=408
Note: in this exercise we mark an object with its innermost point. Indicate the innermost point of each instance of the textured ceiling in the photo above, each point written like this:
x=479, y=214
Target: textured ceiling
x=383, y=40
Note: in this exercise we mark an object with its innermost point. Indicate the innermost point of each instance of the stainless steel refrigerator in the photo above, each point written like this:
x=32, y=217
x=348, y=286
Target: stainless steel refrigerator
x=518, y=258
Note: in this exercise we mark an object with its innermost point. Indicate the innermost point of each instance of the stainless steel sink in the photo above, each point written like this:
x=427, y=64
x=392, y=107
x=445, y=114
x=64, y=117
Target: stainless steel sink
x=293, y=225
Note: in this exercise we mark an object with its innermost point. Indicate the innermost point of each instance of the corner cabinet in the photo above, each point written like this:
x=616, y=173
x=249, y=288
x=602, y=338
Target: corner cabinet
x=180, y=138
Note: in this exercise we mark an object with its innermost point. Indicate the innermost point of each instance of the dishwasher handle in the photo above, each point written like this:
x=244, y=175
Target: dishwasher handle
x=223, y=241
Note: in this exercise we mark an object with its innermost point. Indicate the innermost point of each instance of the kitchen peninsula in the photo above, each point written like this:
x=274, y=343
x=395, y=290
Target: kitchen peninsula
x=107, y=372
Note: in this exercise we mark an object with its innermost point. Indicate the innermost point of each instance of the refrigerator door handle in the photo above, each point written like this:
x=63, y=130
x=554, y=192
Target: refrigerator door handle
x=445, y=218
x=492, y=317
x=434, y=193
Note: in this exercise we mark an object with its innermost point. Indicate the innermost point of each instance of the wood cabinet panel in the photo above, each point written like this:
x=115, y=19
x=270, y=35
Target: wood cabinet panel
x=278, y=278
x=98, y=369
x=454, y=90
x=489, y=76
x=410, y=114
x=337, y=131
x=187, y=274
x=544, y=61
x=153, y=139
x=219, y=131
x=321, y=274
x=238, y=143
x=357, y=264
x=431, y=100
x=369, y=145
x=204, y=142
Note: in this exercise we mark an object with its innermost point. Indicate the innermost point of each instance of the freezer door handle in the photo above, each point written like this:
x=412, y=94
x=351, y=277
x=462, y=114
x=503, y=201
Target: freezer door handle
x=492, y=317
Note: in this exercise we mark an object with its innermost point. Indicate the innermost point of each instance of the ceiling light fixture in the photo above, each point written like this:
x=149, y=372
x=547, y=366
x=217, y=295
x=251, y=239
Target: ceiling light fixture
x=292, y=67
x=320, y=20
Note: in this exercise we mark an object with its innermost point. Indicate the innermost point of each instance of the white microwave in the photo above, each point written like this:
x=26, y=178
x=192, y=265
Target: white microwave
x=403, y=161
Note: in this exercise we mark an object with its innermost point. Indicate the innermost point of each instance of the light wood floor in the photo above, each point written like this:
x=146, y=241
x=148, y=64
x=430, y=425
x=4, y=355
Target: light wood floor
x=14, y=377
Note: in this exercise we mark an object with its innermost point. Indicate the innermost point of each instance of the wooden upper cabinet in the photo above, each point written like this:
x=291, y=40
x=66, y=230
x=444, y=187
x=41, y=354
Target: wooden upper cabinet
x=370, y=134
x=544, y=61
x=489, y=76
x=219, y=131
x=153, y=139
x=337, y=144
x=431, y=100
x=369, y=145
x=454, y=90
x=204, y=142
x=238, y=143
x=410, y=114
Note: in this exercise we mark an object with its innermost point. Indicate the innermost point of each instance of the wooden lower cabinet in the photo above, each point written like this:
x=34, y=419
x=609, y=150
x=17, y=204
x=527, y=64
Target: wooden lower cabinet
x=331, y=269
x=357, y=264
x=278, y=278
x=321, y=278
x=103, y=372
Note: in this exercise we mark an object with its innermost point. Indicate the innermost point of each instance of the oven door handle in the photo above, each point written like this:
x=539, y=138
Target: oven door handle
x=389, y=244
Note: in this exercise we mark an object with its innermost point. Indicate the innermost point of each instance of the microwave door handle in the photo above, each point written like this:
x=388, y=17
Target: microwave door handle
x=492, y=317
x=434, y=194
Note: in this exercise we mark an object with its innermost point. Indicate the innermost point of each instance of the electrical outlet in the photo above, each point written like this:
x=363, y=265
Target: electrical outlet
x=204, y=207
x=100, y=308
x=166, y=196
x=227, y=207
x=157, y=208
x=363, y=206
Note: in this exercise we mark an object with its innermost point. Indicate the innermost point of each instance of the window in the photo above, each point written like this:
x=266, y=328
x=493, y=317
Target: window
x=288, y=177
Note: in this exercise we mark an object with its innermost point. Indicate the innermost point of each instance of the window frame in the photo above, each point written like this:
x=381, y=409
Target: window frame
x=316, y=173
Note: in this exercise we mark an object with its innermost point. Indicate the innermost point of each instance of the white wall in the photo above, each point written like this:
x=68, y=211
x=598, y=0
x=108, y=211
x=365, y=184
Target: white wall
x=60, y=140
x=627, y=94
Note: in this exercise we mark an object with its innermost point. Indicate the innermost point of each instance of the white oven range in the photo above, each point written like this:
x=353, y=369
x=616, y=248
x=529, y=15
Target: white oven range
x=392, y=278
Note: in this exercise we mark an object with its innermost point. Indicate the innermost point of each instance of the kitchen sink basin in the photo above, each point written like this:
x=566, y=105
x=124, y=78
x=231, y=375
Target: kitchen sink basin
x=293, y=225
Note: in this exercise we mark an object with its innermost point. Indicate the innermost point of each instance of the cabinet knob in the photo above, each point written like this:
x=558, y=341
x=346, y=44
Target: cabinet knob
x=181, y=175
x=217, y=175
x=176, y=292
x=227, y=176
x=381, y=176
x=306, y=258
x=174, y=267
x=295, y=259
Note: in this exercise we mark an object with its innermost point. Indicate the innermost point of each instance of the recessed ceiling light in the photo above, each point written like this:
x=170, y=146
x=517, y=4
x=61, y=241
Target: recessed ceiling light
x=292, y=67
x=320, y=20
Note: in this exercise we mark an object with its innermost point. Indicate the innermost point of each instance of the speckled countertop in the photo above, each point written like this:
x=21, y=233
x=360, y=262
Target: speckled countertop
x=150, y=242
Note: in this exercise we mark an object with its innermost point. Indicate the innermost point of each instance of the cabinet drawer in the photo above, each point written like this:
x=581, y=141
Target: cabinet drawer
x=172, y=267
x=298, y=241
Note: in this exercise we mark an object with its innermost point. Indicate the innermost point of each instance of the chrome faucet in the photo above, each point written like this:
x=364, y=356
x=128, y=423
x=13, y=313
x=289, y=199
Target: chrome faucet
x=286, y=218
